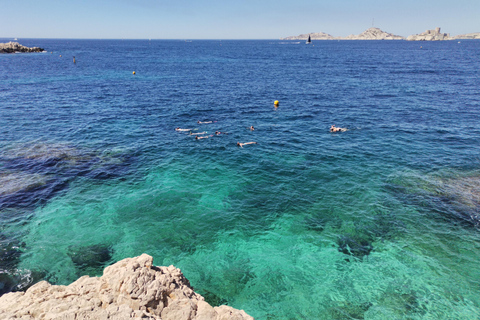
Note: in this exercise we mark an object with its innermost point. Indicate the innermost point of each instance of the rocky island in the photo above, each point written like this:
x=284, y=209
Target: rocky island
x=430, y=35
x=369, y=34
x=13, y=47
x=130, y=289
x=378, y=34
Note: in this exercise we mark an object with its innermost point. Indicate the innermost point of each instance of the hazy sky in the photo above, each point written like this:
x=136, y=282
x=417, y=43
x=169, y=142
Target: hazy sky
x=224, y=19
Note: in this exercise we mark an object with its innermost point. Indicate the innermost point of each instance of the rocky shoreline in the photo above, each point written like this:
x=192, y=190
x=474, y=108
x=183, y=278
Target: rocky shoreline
x=14, y=47
x=378, y=34
x=130, y=289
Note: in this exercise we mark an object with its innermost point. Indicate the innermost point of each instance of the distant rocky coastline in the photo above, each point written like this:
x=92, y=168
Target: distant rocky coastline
x=13, y=47
x=130, y=289
x=378, y=34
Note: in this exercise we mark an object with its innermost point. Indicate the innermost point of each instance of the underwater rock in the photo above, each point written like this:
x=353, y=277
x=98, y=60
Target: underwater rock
x=213, y=299
x=12, y=182
x=19, y=280
x=90, y=257
x=131, y=288
x=9, y=252
x=347, y=310
x=456, y=199
x=354, y=246
x=35, y=172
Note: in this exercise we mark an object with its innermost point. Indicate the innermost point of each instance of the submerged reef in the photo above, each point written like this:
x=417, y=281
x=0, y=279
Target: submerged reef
x=451, y=196
x=34, y=172
x=130, y=289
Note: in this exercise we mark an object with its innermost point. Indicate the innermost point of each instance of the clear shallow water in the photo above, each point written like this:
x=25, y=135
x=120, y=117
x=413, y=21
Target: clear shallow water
x=377, y=222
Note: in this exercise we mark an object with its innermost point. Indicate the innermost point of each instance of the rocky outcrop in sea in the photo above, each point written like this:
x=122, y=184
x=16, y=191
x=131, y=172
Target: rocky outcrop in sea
x=369, y=34
x=373, y=34
x=474, y=35
x=378, y=34
x=313, y=36
x=130, y=289
x=13, y=47
x=430, y=35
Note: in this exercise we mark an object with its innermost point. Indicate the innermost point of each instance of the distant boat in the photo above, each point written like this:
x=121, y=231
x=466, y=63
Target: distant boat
x=15, y=39
x=309, y=40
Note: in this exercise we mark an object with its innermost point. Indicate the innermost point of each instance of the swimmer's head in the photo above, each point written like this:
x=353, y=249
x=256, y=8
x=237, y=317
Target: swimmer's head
x=238, y=144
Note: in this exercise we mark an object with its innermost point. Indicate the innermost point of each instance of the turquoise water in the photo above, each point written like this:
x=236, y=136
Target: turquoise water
x=378, y=222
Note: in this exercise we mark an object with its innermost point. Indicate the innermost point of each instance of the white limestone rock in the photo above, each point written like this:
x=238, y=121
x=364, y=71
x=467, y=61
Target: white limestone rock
x=430, y=35
x=130, y=289
x=474, y=35
x=12, y=47
x=372, y=34
x=313, y=36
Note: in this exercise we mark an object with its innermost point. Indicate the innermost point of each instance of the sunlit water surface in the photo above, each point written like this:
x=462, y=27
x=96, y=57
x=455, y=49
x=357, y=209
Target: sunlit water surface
x=378, y=222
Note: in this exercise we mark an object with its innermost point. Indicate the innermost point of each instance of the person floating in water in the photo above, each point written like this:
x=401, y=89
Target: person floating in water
x=201, y=137
x=244, y=144
x=252, y=128
x=198, y=133
x=219, y=133
x=205, y=122
x=336, y=129
x=179, y=129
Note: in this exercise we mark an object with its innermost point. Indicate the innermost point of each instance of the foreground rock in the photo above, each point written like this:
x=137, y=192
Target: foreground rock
x=130, y=289
x=430, y=35
x=12, y=47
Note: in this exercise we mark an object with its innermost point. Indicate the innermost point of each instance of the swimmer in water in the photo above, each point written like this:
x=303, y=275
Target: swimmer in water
x=201, y=137
x=252, y=128
x=179, y=129
x=205, y=122
x=336, y=129
x=219, y=133
x=244, y=144
x=198, y=133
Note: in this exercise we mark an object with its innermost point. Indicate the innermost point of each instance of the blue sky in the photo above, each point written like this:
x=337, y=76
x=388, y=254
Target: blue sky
x=241, y=19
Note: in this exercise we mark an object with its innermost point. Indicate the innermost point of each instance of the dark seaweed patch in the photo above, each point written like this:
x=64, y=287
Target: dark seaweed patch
x=213, y=299
x=355, y=245
x=10, y=251
x=90, y=258
x=347, y=310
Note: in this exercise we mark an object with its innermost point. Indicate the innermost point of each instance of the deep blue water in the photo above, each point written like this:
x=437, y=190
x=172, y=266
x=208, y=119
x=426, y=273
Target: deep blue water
x=378, y=222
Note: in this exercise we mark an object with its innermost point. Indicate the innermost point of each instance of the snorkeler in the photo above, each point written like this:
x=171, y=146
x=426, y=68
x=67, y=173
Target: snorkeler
x=219, y=133
x=198, y=133
x=252, y=128
x=336, y=129
x=179, y=129
x=205, y=122
x=202, y=137
x=244, y=144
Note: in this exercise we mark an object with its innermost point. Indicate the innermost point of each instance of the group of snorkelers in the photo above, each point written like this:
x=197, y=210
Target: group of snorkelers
x=202, y=135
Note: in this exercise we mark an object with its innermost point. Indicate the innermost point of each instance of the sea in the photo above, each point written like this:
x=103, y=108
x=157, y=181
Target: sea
x=381, y=221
